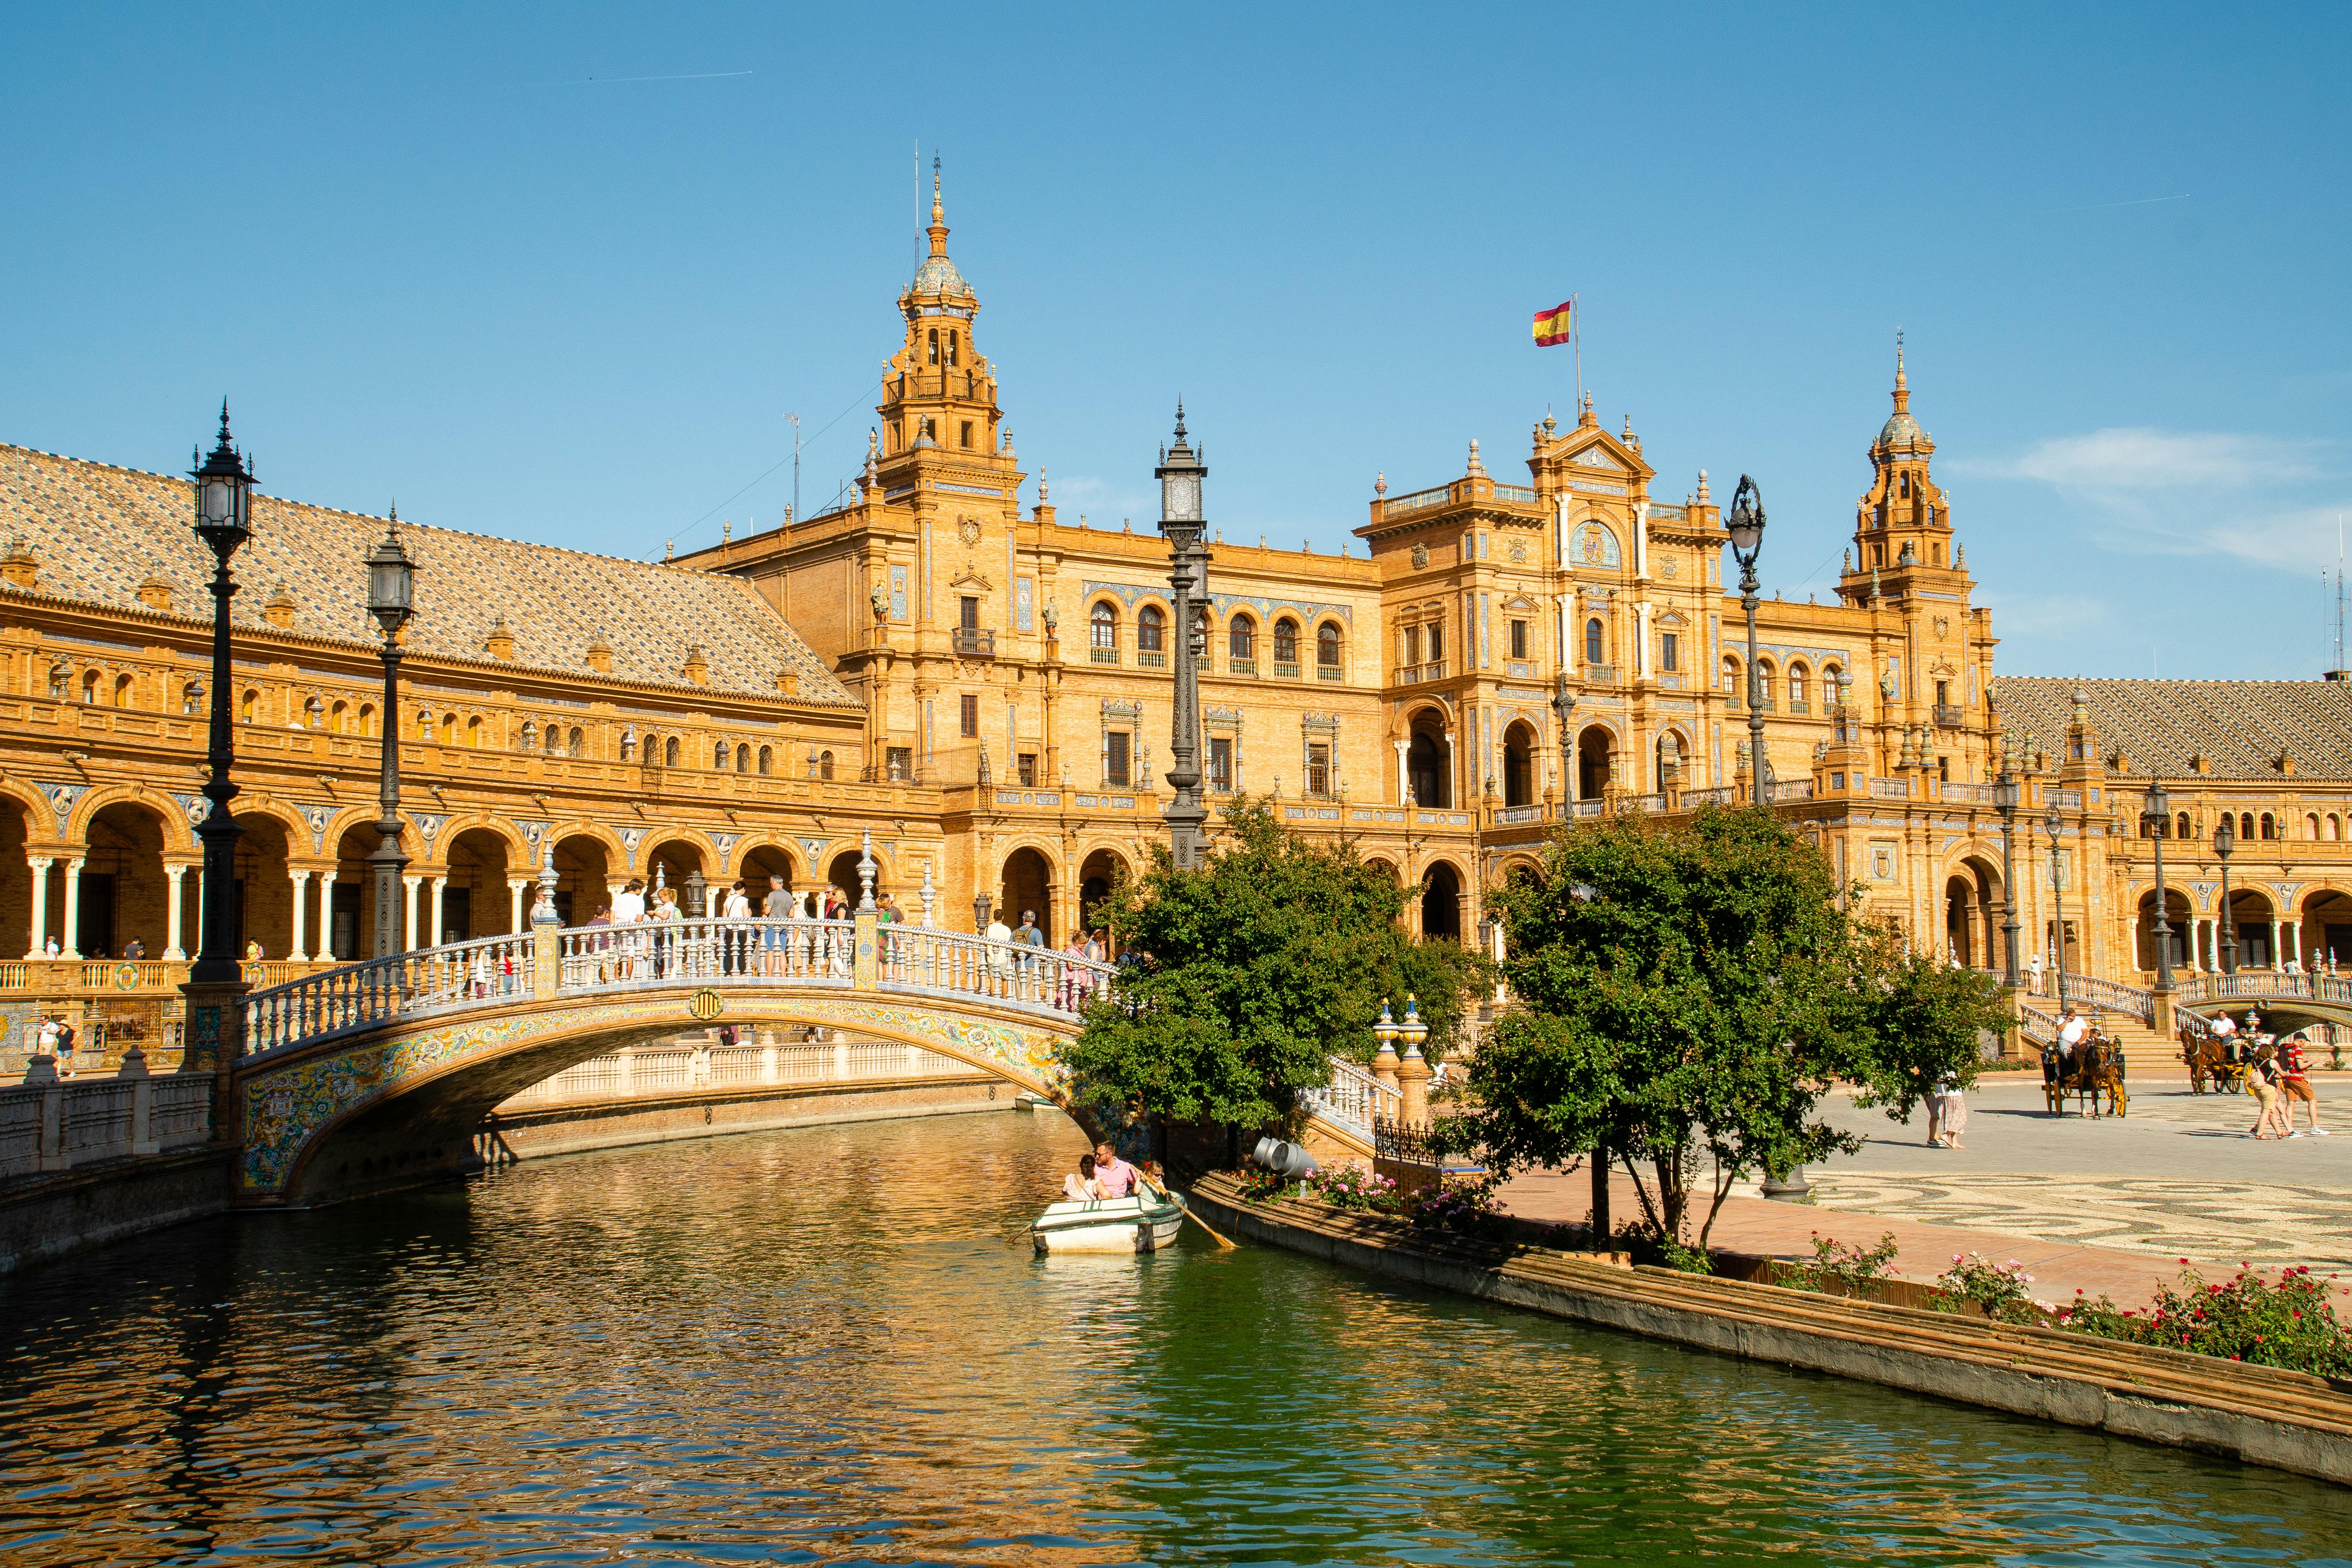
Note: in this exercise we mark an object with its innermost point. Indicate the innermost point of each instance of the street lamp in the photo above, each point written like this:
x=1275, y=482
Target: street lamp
x=980, y=912
x=1563, y=703
x=2004, y=800
x=1179, y=473
x=2155, y=810
x=1746, y=530
x=392, y=588
x=2056, y=825
x=223, y=492
x=2225, y=844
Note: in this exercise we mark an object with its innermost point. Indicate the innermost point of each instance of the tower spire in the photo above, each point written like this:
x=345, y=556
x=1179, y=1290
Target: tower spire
x=1902, y=386
x=939, y=212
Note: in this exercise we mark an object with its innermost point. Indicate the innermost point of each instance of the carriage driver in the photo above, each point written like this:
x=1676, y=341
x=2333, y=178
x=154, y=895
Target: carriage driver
x=2072, y=1028
x=2225, y=1030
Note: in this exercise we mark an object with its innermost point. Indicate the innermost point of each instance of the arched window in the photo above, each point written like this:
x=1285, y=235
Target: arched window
x=449, y=728
x=1102, y=631
x=248, y=708
x=824, y=765
x=473, y=732
x=529, y=738
x=742, y=759
x=1832, y=680
x=579, y=742
x=1907, y=486
x=123, y=691
x=628, y=744
x=367, y=719
x=1151, y=630
x=1327, y=646
x=955, y=347
x=555, y=737
x=2244, y=826
x=2270, y=826
x=1241, y=638
x=934, y=346
x=314, y=714
x=2335, y=829
x=60, y=680
x=339, y=718
x=767, y=762
x=1731, y=677
x=2180, y=827
x=1286, y=641
x=1596, y=643
x=89, y=687
x=669, y=753
x=719, y=752
x=1796, y=685
x=192, y=698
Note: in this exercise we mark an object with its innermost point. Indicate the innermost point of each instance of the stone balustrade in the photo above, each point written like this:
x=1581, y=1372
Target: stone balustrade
x=48, y=1125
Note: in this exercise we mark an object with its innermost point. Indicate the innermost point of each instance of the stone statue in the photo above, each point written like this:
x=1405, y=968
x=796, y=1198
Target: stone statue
x=880, y=599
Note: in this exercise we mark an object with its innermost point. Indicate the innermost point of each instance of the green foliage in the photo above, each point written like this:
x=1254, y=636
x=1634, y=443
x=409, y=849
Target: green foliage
x=1999, y=1289
x=1685, y=991
x=2286, y=1322
x=1350, y=1187
x=1462, y=1206
x=1926, y=1019
x=1258, y=966
x=1842, y=1271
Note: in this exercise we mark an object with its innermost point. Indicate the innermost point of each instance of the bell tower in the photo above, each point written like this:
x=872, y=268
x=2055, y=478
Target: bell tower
x=939, y=396
x=1903, y=525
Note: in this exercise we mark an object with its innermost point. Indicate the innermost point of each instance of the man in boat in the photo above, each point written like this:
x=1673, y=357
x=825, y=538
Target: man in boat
x=1116, y=1175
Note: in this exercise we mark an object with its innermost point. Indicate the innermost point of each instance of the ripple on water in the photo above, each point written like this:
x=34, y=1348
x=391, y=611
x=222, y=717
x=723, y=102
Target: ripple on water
x=833, y=1345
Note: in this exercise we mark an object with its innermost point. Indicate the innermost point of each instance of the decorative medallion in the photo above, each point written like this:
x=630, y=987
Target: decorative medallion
x=1519, y=551
x=968, y=529
x=1420, y=557
x=1943, y=628
x=707, y=1005
x=1670, y=567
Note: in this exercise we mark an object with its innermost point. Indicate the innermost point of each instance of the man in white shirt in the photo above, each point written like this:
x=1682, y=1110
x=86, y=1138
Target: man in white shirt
x=2072, y=1028
x=629, y=909
x=1000, y=958
x=2034, y=974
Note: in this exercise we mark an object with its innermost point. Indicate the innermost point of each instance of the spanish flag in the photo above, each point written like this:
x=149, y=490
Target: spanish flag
x=1552, y=325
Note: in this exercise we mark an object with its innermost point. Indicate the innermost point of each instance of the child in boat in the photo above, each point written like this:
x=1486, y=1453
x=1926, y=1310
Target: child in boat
x=1083, y=1187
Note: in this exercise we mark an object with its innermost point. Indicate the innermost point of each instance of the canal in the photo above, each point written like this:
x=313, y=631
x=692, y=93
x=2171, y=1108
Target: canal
x=835, y=1345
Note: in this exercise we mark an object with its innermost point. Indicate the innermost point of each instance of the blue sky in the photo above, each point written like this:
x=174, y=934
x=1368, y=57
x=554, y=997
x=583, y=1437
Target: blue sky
x=452, y=256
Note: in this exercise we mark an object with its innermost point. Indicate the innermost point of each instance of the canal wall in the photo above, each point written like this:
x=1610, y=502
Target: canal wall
x=2287, y=1420
x=539, y=1131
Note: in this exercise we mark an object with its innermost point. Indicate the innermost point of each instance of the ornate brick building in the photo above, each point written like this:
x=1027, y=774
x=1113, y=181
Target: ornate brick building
x=985, y=689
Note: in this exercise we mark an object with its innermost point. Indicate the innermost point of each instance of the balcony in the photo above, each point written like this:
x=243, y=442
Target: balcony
x=1330, y=672
x=1102, y=655
x=1948, y=716
x=1147, y=660
x=971, y=642
x=1284, y=671
x=1599, y=675
x=1799, y=705
x=1241, y=666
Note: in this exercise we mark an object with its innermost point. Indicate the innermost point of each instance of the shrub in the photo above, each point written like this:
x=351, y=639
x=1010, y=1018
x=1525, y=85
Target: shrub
x=1352, y=1187
x=1465, y=1205
x=1262, y=1187
x=1997, y=1288
x=1848, y=1271
x=2286, y=1322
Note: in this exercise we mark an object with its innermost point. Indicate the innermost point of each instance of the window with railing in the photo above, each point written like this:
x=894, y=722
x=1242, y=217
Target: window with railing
x=1318, y=768
x=1221, y=763
x=1152, y=637
x=1102, y=634
x=1327, y=651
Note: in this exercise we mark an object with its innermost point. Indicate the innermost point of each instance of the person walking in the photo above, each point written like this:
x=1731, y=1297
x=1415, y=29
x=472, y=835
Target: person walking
x=1000, y=956
x=1953, y=1105
x=2295, y=1084
x=2034, y=974
x=2261, y=1082
x=65, y=1052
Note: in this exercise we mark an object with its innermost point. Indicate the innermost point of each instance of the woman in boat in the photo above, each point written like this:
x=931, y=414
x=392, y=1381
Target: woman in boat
x=1083, y=1187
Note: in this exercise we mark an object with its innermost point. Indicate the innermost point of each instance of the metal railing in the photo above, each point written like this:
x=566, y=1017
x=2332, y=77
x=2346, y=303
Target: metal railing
x=1355, y=1100
x=648, y=954
x=973, y=643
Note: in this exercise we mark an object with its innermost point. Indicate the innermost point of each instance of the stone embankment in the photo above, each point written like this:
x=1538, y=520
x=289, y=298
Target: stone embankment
x=2288, y=1420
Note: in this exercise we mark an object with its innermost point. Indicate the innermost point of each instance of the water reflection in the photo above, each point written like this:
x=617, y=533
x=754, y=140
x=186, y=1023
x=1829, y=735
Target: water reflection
x=835, y=1345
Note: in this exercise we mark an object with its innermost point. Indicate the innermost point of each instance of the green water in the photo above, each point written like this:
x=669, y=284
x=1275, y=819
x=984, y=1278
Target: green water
x=835, y=1345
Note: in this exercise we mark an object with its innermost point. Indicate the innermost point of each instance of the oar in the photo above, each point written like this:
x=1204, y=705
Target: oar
x=1187, y=1208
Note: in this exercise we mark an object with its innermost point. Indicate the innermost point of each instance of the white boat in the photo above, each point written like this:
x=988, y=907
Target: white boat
x=1143, y=1222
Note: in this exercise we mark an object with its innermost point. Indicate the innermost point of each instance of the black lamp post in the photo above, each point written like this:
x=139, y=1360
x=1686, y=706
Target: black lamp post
x=1179, y=473
x=2004, y=800
x=1563, y=703
x=392, y=585
x=2056, y=825
x=2155, y=810
x=980, y=912
x=2225, y=844
x=223, y=522
x=1746, y=530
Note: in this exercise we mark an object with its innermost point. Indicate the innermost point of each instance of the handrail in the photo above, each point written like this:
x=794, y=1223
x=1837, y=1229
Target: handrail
x=2109, y=994
x=1355, y=1099
x=2261, y=982
x=492, y=971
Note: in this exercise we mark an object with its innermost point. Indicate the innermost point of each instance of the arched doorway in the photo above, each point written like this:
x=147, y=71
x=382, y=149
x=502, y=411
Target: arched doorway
x=348, y=931
x=1972, y=915
x=1596, y=763
x=1098, y=875
x=17, y=883
x=1441, y=903
x=1960, y=921
x=123, y=891
x=1028, y=884
x=264, y=904
x=583, y=879
x=762, y=867
x=2324, y=934
x=2176, y=914
x=1428, y=763
x=2250, y=916
x=475, y=897
x=668, y=865
x=1519, y=766
x=1669, y=773
x=843, y=873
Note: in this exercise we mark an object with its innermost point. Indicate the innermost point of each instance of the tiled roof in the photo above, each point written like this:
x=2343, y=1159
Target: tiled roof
x=2244, y=726
x=99, y=532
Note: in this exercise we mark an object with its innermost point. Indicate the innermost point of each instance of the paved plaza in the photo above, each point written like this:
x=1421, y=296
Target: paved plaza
x=2176, y=1178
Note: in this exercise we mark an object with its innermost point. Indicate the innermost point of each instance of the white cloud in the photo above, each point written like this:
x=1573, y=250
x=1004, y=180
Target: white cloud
x=2305, y=540
x=2139, y=458
x=2045, y=614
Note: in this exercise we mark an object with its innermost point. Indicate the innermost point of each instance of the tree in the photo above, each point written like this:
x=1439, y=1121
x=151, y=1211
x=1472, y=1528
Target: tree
x=1255, y=970
x=1684, y=990
x=1928, y=1022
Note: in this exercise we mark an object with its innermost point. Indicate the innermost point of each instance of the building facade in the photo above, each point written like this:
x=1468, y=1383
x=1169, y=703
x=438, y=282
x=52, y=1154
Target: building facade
x=985, y=690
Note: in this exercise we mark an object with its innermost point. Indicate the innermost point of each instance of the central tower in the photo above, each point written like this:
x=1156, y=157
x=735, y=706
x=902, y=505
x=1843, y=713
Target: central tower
x=939, y=394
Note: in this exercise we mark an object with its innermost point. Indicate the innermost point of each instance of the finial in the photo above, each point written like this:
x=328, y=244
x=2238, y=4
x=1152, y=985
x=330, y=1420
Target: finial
x=866, y=869
x=938, y=214
x=1702, y=484
x=669, y=550
x=727, y=531
x=1898, y=357
x=1476, y=465
x=1380, y=484
x=1180, y=419
x=1042, y=491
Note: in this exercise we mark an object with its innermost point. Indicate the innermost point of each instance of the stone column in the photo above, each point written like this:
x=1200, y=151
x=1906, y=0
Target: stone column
x=2278, y=954
x=1404, y=787
x=327, y=916
x=1453, y=772
x=70, y=938
x=515, y=889
x=172, y=946
x=408, y=913
x=294, y=949
x=40, y=865
x=440, y=885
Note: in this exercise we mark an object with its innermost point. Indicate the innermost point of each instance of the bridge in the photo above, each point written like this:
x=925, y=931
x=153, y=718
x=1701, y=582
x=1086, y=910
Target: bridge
x=378, y=1074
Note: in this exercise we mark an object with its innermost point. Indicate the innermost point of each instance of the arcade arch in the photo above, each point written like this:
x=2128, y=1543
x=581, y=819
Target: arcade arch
x=1026, y=883
x=1441, y=901
x=1101, y=871
x=1519, y=765
x=1429, y=762
x=1596, y=762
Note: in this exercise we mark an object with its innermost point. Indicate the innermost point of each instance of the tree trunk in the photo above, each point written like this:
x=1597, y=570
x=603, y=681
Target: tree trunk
x=1601, y=1229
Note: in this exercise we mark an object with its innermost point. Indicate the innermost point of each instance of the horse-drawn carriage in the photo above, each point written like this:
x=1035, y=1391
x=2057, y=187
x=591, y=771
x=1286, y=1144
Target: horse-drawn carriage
x=2093, y=1068
x=2215, y=1060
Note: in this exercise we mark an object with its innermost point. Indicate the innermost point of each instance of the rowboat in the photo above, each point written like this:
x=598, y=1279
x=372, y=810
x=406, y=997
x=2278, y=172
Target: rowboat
x=1142, y=1222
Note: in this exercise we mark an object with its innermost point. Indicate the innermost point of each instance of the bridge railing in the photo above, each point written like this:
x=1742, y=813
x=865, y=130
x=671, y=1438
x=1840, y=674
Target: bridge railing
x=2257, y=985
x=490, y=971
x=2112, y=994
x=1355, y=1099
x=433, y=979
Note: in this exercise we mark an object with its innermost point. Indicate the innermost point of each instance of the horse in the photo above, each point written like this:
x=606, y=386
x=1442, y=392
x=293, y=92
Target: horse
x=2207, y=1055
x=2096, y=1065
